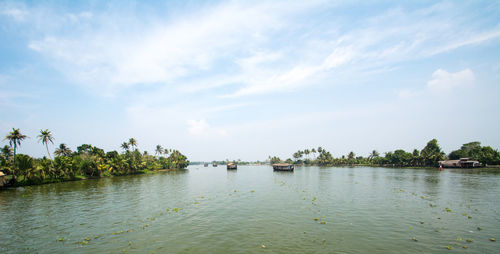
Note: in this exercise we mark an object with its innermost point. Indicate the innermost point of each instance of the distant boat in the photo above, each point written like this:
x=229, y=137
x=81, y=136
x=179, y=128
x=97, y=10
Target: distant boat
x=283, y=167
x=205, y=165
x=232, y=165
x=214, y=165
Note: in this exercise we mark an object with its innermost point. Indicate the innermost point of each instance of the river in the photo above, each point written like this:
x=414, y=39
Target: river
x=256, y=210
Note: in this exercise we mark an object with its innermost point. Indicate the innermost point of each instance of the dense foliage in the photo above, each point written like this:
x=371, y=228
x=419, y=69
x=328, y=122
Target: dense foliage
x=87, y=161
x=429, y=156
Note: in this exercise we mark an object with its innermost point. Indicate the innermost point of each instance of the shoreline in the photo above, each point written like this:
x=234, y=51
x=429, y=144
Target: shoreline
x=80, y=178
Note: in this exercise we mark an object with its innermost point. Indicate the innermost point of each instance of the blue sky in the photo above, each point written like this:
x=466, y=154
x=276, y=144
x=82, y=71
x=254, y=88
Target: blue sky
x=248, y=79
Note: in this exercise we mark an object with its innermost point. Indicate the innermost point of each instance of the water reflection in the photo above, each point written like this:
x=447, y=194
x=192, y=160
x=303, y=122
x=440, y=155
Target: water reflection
x=238, y=211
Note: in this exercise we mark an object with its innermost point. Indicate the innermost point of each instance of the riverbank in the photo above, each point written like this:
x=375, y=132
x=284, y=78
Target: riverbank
x=23, y=183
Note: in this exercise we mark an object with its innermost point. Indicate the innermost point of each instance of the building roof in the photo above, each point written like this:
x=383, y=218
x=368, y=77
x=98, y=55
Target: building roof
x=282, y=164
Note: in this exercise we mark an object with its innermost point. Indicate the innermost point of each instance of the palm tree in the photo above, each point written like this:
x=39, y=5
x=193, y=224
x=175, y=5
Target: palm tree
x=125, y=146
x=166, y=151
x=7, y=152
x=132, y=142
x=374, y=154
x=15, y=137
x=46, y=136
x=159, y=150
x=63, y=150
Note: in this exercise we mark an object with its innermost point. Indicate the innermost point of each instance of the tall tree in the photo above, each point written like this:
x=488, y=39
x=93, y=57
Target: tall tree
x=374, y=154
x=432, y=153
x=159, y=150
x=15, y=137
x=6, y=152
x=46, y=137
x=125, y=146
x=62, y=150
x=133, y=143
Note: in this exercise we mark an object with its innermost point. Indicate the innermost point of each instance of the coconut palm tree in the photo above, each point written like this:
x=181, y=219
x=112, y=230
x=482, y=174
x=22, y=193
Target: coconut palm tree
x=133, y=143
x=15, y=137
x=7, y=152
x=46, y=137
x=159, y=150
x=63, y=150
x=125, y=146
x=374, y=154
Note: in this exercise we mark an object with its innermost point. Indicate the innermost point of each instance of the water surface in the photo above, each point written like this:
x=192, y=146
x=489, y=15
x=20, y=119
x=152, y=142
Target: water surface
x=212, y=210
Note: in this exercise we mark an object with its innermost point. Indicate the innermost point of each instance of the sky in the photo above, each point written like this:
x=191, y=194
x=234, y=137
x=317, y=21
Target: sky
x=247, y=79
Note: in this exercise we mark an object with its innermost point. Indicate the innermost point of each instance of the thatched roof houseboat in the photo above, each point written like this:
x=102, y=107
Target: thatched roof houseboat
x=461, y=163
x=232, y=165
x=283, y=167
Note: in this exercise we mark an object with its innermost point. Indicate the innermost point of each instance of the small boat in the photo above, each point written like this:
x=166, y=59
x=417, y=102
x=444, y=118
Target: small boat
x=283, y=167
x=232, y=165
x=205, y=165
x=214, y=165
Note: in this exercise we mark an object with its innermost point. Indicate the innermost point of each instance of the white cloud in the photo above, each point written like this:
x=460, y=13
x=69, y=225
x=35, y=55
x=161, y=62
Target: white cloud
x=444, y=81
x=15, y=13
x=197, y=127
x=408, y=93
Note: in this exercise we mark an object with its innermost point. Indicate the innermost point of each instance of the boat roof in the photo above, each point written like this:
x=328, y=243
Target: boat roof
x=282, y=164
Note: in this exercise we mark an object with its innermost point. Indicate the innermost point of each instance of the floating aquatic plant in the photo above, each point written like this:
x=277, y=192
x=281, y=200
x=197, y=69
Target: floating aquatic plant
x=322, y=222
x=469, y=240
x=469, y=217
x=448, y=209
x=448, y=247
x=60, y=239
x=421, y=222
x=252, y=191
x=324, y=241
x=479, y=228
x=415, y=239
x=87, y=239
x=460, y=239
x=196, y=203
x=83, y=242
x=465, y=247
x=493, y=239
x=263, y=246
x=316, y=218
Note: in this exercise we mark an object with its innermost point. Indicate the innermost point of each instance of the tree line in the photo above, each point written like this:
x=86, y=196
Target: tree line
x=87, y=161
x=429, y=156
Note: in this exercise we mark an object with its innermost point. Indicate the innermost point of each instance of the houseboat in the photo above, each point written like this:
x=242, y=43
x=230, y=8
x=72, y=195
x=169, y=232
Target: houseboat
x=461, y=163
x=205, y=165
x=232, y=165
x=283, y=167
x=214, y=165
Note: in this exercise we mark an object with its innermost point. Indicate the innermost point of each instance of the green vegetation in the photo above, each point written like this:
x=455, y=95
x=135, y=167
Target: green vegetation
x=86, y=162
x=429, y=156
x=475, y=151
